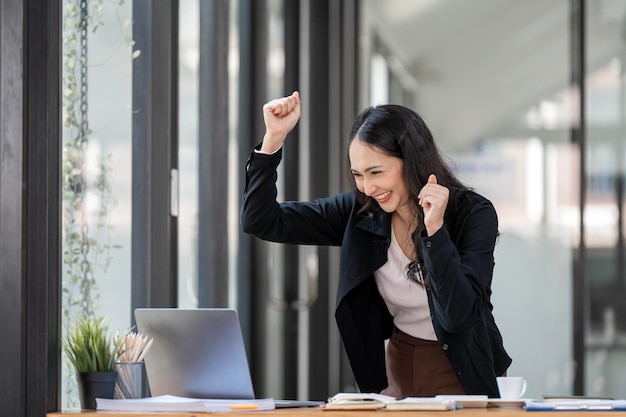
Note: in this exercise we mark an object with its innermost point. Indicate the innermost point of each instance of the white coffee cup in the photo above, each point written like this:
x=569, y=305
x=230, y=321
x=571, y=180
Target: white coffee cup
x=511, y=387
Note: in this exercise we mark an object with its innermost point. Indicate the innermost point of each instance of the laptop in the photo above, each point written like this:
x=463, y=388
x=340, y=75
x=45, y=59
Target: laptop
x=198, y=353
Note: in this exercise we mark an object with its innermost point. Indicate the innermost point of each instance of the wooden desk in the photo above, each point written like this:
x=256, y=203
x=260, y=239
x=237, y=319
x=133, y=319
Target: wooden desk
x=314, y=412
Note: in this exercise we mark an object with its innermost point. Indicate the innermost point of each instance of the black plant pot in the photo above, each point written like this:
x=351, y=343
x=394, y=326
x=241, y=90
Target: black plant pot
x=92, y=385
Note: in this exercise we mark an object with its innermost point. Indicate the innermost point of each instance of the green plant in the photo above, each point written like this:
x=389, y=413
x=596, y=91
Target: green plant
x=89, y=346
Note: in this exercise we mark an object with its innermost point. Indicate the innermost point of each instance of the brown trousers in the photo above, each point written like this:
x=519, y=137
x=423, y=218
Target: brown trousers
x=418, y=368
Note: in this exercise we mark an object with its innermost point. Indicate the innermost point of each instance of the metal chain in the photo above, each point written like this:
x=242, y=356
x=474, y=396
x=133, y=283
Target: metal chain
x=85, y=267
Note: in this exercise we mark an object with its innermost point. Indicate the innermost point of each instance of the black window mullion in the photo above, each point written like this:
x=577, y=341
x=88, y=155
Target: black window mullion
x=320, y=139
x=30, y=139
x=291, y=187
x=251, y=271
x=154, y=136
x=213, y=155
x=12, y=117
x=578, y=136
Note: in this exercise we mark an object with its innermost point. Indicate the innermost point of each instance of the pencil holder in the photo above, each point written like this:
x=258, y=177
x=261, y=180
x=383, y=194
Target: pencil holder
x=129, y=380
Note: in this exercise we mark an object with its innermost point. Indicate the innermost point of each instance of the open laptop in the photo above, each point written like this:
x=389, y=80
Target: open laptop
x=198, y=353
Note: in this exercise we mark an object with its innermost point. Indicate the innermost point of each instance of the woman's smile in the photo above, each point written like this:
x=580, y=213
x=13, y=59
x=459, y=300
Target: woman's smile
x=383, y=198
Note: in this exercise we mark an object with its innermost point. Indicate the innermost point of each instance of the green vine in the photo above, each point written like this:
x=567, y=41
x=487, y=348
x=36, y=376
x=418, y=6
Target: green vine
x=86, y=230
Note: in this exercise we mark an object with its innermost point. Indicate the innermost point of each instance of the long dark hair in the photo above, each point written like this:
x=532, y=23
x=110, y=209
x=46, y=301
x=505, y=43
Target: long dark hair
x=400, y=132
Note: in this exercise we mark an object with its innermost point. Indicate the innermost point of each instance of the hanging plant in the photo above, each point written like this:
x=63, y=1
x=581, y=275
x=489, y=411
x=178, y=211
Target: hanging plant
x=86, y=188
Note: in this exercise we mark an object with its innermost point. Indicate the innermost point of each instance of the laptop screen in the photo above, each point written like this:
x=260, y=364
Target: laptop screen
x=196, y=353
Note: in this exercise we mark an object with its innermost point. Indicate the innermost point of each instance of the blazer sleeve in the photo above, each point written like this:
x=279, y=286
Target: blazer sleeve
x=321, y=222
x=460, y=267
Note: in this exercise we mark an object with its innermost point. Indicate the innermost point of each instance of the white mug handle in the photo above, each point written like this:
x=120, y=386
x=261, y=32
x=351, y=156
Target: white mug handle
x=524, y=385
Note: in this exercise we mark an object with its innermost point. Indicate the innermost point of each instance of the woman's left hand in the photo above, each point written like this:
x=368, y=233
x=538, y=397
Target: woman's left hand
x=434, y=199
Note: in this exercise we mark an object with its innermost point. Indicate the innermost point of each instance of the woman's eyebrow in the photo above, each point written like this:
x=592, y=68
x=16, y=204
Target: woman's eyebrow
x=354, y=171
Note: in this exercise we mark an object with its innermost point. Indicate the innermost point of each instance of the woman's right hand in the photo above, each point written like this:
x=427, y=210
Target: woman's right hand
x=281, y=116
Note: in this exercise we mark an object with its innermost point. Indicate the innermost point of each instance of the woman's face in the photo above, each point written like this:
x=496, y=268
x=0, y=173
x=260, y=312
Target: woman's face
x=379, y=176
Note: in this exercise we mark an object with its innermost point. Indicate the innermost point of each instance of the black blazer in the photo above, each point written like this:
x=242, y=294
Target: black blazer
x=458, y=258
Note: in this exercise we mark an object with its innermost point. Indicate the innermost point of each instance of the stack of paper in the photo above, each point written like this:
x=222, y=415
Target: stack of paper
x=422, y=403
x=467, y=401
x=576, y=405
x=357, y=401
x=371, y=401
x=183, y=404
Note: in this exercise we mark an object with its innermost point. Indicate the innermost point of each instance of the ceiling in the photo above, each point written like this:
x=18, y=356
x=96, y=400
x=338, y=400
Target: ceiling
x=478, y=66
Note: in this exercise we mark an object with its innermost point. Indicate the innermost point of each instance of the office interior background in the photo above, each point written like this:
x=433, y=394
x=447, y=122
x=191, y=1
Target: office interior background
x=126, y=126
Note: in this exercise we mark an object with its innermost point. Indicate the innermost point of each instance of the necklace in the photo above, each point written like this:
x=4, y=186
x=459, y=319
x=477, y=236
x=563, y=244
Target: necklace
x=404, y=235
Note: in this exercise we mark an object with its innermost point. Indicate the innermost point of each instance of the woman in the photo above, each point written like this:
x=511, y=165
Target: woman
x=416, y=254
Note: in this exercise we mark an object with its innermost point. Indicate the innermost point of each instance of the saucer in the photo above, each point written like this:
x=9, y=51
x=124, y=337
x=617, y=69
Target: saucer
x=499, y=402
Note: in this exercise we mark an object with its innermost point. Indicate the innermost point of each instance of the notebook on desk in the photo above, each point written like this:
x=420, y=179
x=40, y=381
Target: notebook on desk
x=198, y=353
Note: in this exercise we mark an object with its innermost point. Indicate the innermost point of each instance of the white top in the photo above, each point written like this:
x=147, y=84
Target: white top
x=406, y=300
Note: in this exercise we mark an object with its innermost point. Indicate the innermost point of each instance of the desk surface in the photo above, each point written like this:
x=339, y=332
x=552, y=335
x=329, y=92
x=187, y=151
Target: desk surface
x=314, y=412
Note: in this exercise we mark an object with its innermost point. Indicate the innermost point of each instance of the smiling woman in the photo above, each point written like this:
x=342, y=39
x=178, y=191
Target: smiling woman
x=417, y=254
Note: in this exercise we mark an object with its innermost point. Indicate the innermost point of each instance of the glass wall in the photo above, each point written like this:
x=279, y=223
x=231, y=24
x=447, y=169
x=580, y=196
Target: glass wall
x=97, y=78
x=605, y=113
x=274, y=369
x=188, y=154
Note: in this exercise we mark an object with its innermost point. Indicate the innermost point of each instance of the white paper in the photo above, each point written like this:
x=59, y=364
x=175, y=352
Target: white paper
x=577, y=405
x=184, y=404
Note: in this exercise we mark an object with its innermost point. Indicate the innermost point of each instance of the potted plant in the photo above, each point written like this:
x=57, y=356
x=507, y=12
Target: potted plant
x=91, y=351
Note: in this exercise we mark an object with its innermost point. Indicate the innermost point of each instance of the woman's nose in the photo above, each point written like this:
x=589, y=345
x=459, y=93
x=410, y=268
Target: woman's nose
x=368, y=188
